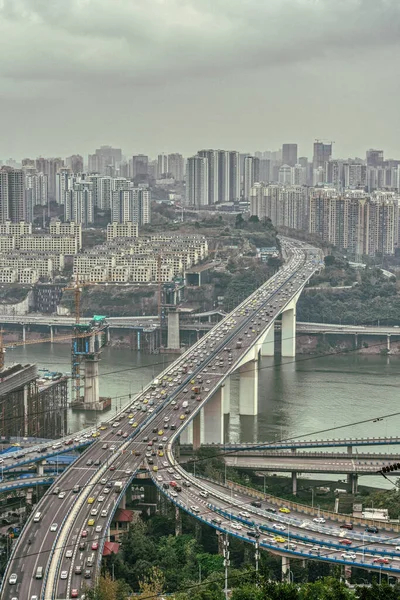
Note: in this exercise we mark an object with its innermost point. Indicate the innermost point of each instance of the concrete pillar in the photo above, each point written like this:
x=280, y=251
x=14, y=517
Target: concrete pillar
x=268, y=345
x=388, y=343
x=289, y=333
x=108, y=534
x=40, y=468
x=51, y=334
x=108, y=335
x=122, y=502
x=248, y=388
x=349, y=449
x=186, y=436
x=173, y=340
x=26, y=409
x=294, y=483
x=196, y=432
x=227, y=396
x=285, y=568
x=178, y=522
x=23, y=333
x=352, y=479
x=213, y=431
x=91, y=385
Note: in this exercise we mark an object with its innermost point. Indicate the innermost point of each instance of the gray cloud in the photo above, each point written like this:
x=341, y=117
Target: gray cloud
x=152, y=41
x=175, y=75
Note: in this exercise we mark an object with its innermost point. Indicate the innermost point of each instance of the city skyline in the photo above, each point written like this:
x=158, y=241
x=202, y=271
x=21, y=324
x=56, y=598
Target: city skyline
x=198, y=75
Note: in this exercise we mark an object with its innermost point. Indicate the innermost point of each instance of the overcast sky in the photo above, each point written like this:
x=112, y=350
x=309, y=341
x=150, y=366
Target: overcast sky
x=178, y=75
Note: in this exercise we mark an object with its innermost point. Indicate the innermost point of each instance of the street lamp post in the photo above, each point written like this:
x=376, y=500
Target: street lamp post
x=312, y=497
x=257, y=556
x=226, y=564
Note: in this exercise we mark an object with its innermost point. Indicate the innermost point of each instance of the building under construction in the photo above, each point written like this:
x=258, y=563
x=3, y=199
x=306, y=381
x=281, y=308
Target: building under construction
x=30, y=406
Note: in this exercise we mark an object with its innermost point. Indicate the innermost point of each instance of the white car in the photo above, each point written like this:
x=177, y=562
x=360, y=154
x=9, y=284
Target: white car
x=278, y=526
x=236, y=526
x=100, y=499
x=64, y=575
x=98, y=528
x=68, y=554
x=53, y=527
x=349, y=555
x=159, y=478
x=245, y=514
x=195, y=509
x=61, y=495
x=319, y=520
x=13, y=579
x=103, y=481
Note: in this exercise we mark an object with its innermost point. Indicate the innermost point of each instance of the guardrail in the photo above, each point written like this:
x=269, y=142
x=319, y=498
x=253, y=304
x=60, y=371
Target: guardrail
x=304, y=509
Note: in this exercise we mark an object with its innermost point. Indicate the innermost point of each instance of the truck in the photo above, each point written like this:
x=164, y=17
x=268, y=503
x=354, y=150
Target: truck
x=118, y=485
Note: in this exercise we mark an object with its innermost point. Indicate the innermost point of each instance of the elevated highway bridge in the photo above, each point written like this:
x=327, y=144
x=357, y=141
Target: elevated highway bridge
x=198, y=382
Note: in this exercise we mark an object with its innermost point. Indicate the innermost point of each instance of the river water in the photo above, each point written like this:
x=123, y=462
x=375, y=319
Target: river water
x=307, y=395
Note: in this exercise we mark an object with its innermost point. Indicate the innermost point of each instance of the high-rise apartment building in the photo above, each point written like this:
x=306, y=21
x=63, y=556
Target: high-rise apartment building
x=251, y=175
x=289, y=154
x=212, y=161
x=374, y=158
x=75, y=163
x=104, y=158
x=79, y=205
x=322, y=154
x=12, y=195
x=176, y=166
x=50, y=167
x=197, y=181
x=139, y=165
x=162, y=165
x=131, y=206
x=285, y=174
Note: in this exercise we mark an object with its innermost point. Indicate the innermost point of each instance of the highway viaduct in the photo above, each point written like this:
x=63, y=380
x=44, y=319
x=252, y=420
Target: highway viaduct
x=239, y=338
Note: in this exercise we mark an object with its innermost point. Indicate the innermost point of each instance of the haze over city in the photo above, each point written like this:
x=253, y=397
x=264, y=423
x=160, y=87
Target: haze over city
x=156, y=76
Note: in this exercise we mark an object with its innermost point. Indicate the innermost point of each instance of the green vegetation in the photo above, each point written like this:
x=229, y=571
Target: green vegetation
x=371, y=299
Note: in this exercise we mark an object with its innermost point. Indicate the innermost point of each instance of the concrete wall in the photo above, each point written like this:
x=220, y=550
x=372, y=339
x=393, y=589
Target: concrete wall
x=20, y=308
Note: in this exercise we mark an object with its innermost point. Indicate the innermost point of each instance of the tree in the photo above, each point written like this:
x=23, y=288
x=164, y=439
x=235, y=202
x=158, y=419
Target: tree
x=152, y=585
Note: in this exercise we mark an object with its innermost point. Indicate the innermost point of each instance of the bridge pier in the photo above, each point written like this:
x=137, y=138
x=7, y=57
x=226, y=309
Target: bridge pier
x=294, y=483
x=352, y=479
x=248, y=388
x=288, y=335
x=122, y=502
x=388, y=343
x=23, y=333
x=268, y=344
x=186, y=436
x=40, y=468
x=349, y=449
x=178, y=522
x=173, y=340
x=196, y=431
x=213, y=413
x=51, y=334
x=227, y=396
x=285, y=568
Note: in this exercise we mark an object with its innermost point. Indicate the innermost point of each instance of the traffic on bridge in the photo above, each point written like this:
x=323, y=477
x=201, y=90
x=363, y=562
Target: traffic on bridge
x=60, y=547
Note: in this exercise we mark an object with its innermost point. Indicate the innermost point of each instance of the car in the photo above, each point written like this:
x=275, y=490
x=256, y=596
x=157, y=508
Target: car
x=100, y=499
x=319, y=520
x=64, y=575
x=95, y=545
x=94, y=512
x=74, y=593
x=61, y=495
x=13, y=579
x=88, y=574
x=290, y=546
x=346, y=526
x=285, y=510
x=53, y=527
x=106, y=490
x=68, y=554
x=98, y=528
x=270, y=509
x=135, y=424
x=160, y=432
x=244, y=514
x=279, y=539
x=90, y=522
x=349, y=555
x=155, y=468
x=182, y=417
x=345, y=541
x=236, y=526
x=89, y=462
x=315, y=549
x=195, y=509
x=372, y=529
x=278, y=526
x=84, y=533
x=381, y=560
x=90, y=500
x=112, y=468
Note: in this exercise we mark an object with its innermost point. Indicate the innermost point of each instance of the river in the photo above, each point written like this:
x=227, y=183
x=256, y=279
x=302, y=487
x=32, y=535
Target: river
x=308, y=395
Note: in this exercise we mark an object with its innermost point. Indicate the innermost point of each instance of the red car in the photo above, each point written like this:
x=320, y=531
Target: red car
x=95, y=546
x=173, y=483
x=74, y=593
x=84, y=533
x=381, y=560
x=346, y=542
x=112, y=468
